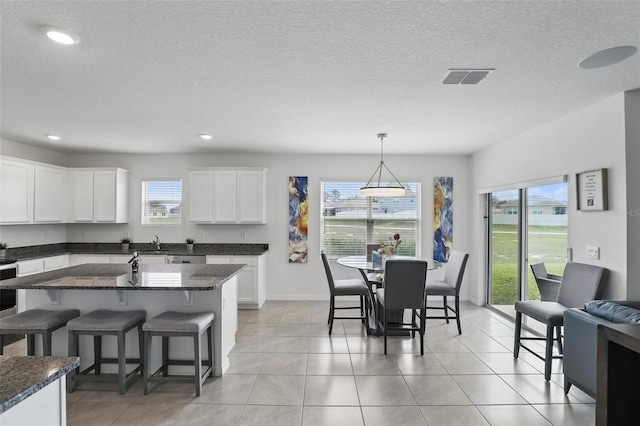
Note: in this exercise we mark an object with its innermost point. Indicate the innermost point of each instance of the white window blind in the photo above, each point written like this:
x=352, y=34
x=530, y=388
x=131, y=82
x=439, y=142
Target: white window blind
x=161, y=202
x=350, y=221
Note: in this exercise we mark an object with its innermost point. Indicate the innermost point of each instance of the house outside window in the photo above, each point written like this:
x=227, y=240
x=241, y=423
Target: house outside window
x=351, y=222
x=161, y=202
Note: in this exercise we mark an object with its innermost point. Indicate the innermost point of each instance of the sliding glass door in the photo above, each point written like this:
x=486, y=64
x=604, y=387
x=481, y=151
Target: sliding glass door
x=505, y=248
x=526, y=225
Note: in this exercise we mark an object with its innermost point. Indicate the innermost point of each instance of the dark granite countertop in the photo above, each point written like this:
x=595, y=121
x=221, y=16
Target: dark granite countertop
x=22, y=376
x=47, y=250
x=109, y=276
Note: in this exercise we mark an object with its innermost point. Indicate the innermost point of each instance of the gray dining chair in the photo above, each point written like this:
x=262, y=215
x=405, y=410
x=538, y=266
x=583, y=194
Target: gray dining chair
x=345, y=287
x=449, y=286
x=580, y=284
x=404, y=288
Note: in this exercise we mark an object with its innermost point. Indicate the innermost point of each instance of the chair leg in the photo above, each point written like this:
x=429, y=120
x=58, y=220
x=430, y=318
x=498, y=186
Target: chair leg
x=423, y=314
x=331, y=313
x=122, y=363
x=548, y=353
x=384, y=328
x=516, y=340
x=146, y=362
x=141, y=347
x=72, y=351
x=1, y=344
x=46, y=343
x=31, y=344
x=457, y=302
x=97, y=353
x=210, y=349
x=362, y=308
x=446, y=309
x=567, y=385
x=559, y=339
x=197, y=363
x=165, y=356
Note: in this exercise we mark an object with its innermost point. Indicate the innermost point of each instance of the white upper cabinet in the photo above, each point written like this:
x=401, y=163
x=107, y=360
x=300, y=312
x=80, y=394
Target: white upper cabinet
x=200, y=194
x=221, y=195
x=100, y=195
x=82, y=190
x=49, y=201
x=32, y=192
x=16, y=191
x=225, y=209
x=251, y=196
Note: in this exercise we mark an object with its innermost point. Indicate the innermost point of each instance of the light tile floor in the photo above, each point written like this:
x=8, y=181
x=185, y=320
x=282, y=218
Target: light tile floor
x=286, y=370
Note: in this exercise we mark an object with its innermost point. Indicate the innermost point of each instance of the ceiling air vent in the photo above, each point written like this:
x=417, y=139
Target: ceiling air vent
x=458, y=76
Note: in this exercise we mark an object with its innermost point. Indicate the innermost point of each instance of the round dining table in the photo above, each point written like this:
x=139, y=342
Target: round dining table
x=366, y=268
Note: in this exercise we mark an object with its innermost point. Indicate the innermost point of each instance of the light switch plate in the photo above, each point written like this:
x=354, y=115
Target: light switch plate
x=593, y=252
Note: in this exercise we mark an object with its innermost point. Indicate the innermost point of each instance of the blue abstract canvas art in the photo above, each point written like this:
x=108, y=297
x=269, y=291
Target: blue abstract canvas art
x=298, y=210
x=442, y=218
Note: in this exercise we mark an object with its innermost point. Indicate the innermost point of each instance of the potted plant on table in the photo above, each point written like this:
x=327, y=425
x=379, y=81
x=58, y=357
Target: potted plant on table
x=125, y=243
x=190, y=242
x=3, y=249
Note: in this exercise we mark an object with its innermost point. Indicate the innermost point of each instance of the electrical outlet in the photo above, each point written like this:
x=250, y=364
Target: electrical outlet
x=84, y=235
x=126, y=234
x=201, y=236
x=593, y=252
x=243, y=235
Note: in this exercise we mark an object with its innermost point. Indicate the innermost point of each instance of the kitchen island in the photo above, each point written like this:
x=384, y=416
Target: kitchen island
x=156, y=288
x=32, y=389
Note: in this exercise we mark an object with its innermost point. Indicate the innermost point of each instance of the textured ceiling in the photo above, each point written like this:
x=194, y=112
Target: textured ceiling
x=302, y=77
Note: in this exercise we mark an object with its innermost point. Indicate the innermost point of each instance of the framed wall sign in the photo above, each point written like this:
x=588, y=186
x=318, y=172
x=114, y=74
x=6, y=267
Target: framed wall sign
x=592, y=190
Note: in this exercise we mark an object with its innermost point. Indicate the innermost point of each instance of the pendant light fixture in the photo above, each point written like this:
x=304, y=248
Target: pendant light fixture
x=373, y=189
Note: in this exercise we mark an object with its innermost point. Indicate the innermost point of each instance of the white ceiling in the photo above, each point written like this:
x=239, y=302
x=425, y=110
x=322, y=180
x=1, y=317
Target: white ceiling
x=302, y=77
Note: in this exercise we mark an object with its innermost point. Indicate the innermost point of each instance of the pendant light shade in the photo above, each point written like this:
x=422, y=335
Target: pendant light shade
x=373, y=188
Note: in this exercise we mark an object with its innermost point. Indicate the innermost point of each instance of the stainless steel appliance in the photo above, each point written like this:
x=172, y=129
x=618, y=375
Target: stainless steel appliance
x=186, y=259
x=8, y=269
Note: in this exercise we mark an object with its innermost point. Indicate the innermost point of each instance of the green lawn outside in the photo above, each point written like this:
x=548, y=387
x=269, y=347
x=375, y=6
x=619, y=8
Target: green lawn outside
x=547, y=244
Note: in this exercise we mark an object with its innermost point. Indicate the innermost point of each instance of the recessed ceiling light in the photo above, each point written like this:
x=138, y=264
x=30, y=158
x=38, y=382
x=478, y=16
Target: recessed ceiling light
x=206, y=137
x=60, y=35
x=54, y=137
x=607, y=57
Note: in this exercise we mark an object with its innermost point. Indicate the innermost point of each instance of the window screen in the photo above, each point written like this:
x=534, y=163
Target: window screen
x=161, y=202
x=350, y=221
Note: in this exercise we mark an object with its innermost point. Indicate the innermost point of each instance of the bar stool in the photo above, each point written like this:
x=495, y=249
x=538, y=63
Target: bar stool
x=35, y=321
x=173, y=324
x=102, y=323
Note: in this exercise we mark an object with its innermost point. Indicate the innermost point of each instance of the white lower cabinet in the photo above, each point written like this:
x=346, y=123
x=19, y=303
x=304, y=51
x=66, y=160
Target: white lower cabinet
x=56, y=262
x=251, y=280
x=30, y=267
x=80, y=259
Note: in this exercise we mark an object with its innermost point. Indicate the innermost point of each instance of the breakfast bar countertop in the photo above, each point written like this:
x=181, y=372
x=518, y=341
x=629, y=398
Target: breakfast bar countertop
x=22, y=376
x=100, y=276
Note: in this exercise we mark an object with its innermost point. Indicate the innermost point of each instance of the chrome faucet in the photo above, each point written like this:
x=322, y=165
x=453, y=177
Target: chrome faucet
x=156, y=241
